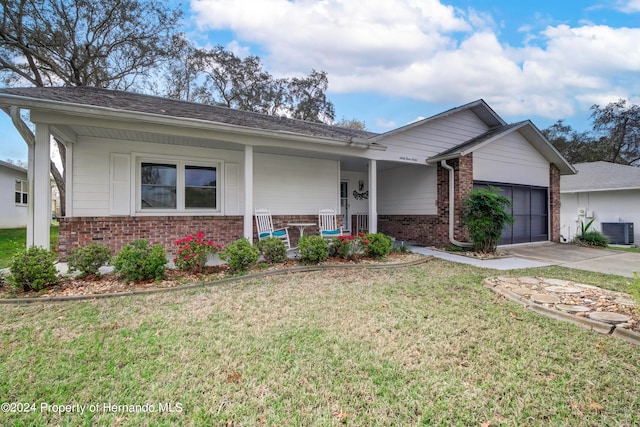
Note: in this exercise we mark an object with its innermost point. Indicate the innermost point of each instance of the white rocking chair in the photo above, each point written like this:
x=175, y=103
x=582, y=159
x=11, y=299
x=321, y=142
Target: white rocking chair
x=328, y=225
x=264, y=226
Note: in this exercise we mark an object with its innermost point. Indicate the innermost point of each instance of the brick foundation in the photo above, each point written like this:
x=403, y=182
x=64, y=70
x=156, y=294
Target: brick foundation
x=115, y=232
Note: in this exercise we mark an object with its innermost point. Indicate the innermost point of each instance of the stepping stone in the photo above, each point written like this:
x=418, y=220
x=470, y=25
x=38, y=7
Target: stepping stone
x=609, y=317
x=529, y=281
x=626, y=301
x=521, y=290
x=563, y=289
x=557, y=282
x=572, y=308
x=545, y=299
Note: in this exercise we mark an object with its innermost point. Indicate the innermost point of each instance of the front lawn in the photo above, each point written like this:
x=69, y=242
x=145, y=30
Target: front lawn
x=423, y=345
x=13, y=240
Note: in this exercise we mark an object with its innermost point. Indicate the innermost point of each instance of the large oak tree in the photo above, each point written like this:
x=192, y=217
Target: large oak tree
x=103, y=43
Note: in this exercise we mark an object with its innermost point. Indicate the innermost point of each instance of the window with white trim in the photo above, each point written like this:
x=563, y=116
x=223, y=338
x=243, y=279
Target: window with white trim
x=178, y=186
x=21, y=197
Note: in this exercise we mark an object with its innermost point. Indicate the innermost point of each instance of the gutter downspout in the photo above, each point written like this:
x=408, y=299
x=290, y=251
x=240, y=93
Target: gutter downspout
x=452, y=206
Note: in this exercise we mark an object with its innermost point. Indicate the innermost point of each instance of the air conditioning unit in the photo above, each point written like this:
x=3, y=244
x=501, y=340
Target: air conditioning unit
x=619, y=233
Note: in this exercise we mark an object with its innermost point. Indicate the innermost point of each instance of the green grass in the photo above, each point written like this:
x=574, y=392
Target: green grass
x=426, y=345
x=13, y=240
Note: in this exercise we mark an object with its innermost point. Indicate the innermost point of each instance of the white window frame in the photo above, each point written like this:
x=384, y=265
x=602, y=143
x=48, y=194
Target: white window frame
x=181, y=163
x=23, y=191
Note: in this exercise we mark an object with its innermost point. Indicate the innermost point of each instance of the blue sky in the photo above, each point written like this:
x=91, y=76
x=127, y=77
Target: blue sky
x=391, y=62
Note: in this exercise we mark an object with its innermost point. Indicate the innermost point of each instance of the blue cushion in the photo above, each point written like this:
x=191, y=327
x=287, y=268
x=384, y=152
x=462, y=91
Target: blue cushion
x=278, y=233
x=331, y=232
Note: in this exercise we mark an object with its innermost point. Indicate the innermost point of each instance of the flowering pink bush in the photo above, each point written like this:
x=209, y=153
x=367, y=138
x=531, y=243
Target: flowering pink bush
x=351, y=247
x=193, y=252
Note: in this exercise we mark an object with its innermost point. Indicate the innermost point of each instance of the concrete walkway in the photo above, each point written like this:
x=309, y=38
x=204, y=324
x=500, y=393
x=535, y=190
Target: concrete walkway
x=507, y=263
x=544, y=254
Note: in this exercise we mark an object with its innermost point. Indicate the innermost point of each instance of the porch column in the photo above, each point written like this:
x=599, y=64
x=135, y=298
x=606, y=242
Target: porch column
x=373, y=197
x=40, y=186
x=248, y=192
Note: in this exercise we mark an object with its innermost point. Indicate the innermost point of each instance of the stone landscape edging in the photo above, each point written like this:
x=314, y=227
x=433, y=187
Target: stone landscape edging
x=284, y=271
x=628, y=335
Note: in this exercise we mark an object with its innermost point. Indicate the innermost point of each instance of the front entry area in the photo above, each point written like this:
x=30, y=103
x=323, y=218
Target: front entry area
x=530, y=209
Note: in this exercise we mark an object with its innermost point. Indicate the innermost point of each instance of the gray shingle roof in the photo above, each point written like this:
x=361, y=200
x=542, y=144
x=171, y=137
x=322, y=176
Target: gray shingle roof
x=135, y=102
x=601, y=176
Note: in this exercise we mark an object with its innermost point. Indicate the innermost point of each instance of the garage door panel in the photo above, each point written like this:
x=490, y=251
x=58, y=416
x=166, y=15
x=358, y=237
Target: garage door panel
x=529, y=209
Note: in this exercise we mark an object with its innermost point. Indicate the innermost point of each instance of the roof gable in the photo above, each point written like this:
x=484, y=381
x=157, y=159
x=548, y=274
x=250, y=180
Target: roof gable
x=526, y=128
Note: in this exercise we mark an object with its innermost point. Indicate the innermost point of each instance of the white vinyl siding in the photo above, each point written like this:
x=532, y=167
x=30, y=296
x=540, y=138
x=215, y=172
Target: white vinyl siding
x=421, y=142
x=511, y=159
x=407, y=190
x=120, y=184
x=295, y=185
x=98, y=161
x=12, y=214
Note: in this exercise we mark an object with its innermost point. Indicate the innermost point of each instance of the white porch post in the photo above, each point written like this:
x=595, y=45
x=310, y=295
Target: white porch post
x=40, y=213
x=248, y=192
x=373, y=197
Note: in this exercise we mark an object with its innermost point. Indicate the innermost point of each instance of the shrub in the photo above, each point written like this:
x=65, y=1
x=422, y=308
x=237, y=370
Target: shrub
x=313, y=249
x=88, y=259
x=193, y=252
x=379, y=245
x=240, y=255
x=137, y=261
x=273, y=249
x=33, y=269
x=485, y=217
x=591, y=237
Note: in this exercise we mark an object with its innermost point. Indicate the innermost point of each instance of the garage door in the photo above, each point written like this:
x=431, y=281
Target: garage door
x=529, y=209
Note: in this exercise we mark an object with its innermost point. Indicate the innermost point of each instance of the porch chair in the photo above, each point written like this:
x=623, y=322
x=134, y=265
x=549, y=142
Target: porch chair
x=328, y=225
x=264, y=226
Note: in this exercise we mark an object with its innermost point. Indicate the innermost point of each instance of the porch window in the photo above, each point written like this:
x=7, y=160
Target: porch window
x=177, y=186
x=21, y=197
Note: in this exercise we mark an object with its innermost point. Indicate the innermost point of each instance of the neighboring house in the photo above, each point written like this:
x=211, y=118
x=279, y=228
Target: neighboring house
x=146, y=167
x=14, y=196
x=608, y=194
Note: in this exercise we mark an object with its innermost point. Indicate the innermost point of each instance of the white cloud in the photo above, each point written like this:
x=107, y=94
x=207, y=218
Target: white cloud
x=429, y=51
x=629, y=6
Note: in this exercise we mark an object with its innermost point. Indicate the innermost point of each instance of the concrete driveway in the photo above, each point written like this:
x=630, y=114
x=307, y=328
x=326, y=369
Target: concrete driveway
x=579, y=257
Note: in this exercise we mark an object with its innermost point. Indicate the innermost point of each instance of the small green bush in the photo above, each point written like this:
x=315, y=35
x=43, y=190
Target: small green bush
x=485, y=217
x=240, y=255
x=379, y=245
x=33, y=269
x=593, y=238
x=313, y=249
x=137, y=261
x=88, y=259
x=273, y=250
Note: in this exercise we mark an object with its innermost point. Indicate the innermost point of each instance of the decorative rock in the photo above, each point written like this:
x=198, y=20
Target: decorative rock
x=529, y=281
x=545, y=299
x=609, y=317
x=626, y=301
x=563, y=289
x=572, y=308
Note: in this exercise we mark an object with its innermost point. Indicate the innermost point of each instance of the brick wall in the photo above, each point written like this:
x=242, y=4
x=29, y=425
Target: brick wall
x=554, y=203
x=115, y=232
x=433, y=230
